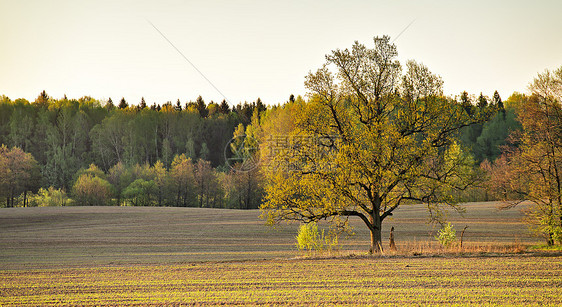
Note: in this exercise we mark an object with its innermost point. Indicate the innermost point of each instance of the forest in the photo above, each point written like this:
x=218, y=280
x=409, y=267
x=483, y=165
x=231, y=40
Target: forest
x=90, y=152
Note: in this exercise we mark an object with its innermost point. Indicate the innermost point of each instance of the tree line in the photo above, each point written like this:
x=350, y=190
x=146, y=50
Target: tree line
x=85, y=141
x=67, y=138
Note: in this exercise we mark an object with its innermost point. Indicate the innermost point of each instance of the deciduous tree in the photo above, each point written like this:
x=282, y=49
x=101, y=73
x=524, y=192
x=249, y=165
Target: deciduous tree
x=533, y=169
x=91, y=188
x=183, y=180
x=19, y=173
x=368, y=141
x=120, y=178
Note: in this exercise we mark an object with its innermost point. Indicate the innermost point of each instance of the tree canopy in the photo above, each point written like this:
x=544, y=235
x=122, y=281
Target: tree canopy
x=531, y=168
x=369, y=140
x=65, y=136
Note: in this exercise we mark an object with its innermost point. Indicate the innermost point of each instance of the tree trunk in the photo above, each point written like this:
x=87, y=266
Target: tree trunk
x=11, y=201
x=560, y=237
x=248, y=194
x=376, y=235
x=375, y=226
x=549, y=239
x=376, y=241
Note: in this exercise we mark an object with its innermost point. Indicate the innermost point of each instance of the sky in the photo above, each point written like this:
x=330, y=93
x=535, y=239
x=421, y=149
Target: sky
x=242, y=50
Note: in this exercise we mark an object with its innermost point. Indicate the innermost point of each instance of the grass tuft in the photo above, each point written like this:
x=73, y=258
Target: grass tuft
x=544, y=247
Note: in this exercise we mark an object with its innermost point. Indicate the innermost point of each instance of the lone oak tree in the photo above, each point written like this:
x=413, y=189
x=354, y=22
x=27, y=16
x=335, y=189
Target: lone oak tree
x=369, y=140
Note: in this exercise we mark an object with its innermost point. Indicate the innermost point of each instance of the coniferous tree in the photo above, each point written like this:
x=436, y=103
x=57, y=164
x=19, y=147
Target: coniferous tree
x=482, y=101
x=499, y=103
x=109, y=104
x=467, y=103
x=260, y=106
x=42, y=99
x=224, y=107
x=142, y=104
x=123, y=104
x=201, y=107
x=204, y=152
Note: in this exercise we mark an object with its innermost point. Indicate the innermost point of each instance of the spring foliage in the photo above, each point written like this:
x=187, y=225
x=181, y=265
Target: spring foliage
x=531, y=169
x=310, y=239
x=446, y=235
x=369, y=140
x=50, y=197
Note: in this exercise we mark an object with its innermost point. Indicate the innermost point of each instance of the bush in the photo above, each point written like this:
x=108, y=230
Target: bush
x=310, y=239
x=141, y=193
x=50, y=197
x=91, y=190
x=446, y=235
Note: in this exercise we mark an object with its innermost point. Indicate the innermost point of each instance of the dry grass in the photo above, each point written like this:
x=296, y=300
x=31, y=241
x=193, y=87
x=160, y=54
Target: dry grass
x=433, y=248
x=429, y=249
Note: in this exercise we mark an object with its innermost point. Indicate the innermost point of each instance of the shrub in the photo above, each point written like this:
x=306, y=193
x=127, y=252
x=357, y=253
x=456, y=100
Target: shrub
x=91, y=190
x=446, y=235
x=141, y=192
x=309, y=238
x=49, y=198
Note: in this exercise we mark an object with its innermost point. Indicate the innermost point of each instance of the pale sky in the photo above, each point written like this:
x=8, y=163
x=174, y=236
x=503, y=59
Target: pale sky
x=250, y=49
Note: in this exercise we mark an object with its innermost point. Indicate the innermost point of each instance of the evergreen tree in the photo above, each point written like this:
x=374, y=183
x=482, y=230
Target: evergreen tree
x=201, y=107
x=499, y=103
x=467, y=103
x=109, y=105
x=166, y=152
x=142, y=104
x=494, y=136
x=482, y=101
x=224, y=107
x=123, y=104
x=260, y=106
x=43, y=99
x=190, y=149
x=204, y=152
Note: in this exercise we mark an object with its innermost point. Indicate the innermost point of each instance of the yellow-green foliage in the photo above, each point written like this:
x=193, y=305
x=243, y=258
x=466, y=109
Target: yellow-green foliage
x=369, y=140
x=309, y=238
x=446, y=235
x=49, y=197
x=91, y=190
